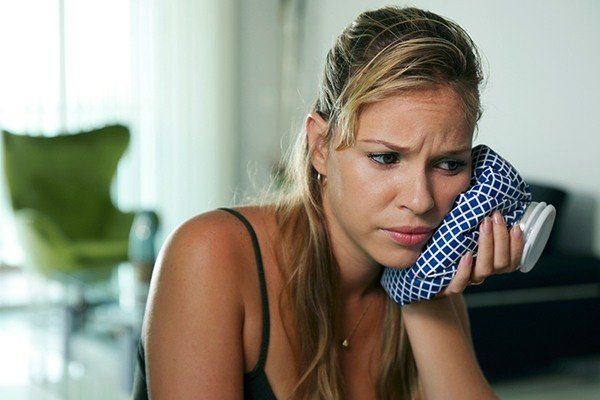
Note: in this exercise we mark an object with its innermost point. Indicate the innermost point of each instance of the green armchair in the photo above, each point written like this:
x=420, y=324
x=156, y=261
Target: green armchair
x=59, y=190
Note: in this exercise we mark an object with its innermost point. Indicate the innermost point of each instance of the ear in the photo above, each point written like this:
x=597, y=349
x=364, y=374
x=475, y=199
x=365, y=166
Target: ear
x=316, y=129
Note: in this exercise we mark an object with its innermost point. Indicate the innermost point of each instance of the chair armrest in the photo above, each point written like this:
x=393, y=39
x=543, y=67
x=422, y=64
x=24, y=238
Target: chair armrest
x=142, y=237
x=45, y=247
x=118, y=224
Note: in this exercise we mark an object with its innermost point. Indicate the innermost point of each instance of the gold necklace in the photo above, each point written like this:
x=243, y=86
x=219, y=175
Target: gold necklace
x=346, y=342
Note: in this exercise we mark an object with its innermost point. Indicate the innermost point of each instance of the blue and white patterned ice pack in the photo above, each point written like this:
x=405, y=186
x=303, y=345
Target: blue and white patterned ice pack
x=495, y=185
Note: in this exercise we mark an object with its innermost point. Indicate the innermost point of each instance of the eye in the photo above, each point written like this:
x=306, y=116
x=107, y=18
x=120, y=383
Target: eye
x=388, y=159
x=458, y=165
x=384, y=156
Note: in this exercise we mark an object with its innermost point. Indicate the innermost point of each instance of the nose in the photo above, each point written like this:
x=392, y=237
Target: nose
x=416, y=195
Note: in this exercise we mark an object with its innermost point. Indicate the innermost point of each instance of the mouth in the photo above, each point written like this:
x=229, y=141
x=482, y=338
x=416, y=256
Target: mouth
x=408, y=239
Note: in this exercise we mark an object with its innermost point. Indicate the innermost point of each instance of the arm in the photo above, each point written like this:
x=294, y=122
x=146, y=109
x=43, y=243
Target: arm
x=446, y=363
x=460, y=307
x=194, y=317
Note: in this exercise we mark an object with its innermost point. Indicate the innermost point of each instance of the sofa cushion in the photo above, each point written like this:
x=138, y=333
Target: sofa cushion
x=559, y=269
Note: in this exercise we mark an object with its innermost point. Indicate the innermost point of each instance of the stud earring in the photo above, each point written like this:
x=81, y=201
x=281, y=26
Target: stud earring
x=319, y=176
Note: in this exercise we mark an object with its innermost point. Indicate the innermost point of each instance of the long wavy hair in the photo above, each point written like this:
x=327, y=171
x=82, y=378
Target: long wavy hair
x=383, y=52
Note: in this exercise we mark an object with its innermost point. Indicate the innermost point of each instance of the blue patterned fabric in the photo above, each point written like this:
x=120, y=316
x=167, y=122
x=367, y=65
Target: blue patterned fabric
x=495, y=185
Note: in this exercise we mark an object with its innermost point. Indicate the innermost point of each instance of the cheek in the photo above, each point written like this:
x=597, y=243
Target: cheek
x=361, y=187
x=448, y=191
x=353, y=195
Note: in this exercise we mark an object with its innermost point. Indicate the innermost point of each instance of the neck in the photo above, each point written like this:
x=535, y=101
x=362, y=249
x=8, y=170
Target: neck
x=358, y=285
x=358, y=281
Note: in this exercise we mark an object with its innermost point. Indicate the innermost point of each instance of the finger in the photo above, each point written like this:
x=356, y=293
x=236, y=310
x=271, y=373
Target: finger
x=463, y=273
x=517, y=244
x=501, y=243
x=460, y=279
x=484, y=264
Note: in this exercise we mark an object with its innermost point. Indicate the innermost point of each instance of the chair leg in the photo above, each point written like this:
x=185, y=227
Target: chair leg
x=73, y=311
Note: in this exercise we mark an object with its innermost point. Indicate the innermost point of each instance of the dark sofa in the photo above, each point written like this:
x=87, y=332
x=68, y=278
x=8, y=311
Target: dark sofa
x=522, y=322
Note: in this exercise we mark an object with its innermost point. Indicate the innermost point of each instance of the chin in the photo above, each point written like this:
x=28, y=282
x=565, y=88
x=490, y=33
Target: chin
x=393, y=255
x=404, y=259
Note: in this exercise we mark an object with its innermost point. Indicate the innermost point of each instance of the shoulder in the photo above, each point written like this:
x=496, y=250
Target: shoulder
x=201, y=255
x=215, y=225
x=208, y=252
x=219, y=233
x=194, y=298
x=208, y=246
x=212, y=235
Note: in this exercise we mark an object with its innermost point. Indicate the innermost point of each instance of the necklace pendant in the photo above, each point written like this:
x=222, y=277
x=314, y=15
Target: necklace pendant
x=345, y=344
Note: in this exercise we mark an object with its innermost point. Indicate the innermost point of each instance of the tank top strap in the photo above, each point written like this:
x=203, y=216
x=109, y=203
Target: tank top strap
x=263, y=290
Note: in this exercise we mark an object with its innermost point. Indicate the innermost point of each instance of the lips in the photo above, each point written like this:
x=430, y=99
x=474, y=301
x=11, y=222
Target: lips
x=412, y=229
x=408, y=239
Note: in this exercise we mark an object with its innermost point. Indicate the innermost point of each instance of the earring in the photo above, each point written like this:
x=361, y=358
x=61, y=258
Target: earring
x=319, y=176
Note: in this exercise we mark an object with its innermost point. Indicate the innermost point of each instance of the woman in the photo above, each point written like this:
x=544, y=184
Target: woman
x=386, y=144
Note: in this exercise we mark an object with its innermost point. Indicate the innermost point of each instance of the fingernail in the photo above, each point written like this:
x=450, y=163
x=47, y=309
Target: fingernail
x=465, y=257
x=516, y=231
x=487, y=226
x=497, y=217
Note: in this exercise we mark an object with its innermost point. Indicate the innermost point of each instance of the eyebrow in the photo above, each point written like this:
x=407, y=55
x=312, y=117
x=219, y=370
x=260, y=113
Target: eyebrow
x=401, y=149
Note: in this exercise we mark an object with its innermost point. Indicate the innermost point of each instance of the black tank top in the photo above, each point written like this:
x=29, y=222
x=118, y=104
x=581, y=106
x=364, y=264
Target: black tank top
x=256, y=383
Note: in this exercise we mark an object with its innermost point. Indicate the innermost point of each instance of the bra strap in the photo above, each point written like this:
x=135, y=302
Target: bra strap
x=263, y=287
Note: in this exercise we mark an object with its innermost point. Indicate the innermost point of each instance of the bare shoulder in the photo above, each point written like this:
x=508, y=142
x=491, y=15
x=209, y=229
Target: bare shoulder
x=201, y=245
x=205, y=253
x=195, y=310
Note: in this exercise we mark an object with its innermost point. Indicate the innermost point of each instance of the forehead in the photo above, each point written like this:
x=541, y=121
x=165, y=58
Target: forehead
x=433, y=114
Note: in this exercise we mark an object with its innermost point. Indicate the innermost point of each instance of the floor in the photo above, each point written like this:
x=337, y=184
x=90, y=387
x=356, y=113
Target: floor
x=577, y=379
x=31, y=364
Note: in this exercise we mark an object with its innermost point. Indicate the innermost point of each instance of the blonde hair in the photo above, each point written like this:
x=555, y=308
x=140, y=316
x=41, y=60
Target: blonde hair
x=383, y=52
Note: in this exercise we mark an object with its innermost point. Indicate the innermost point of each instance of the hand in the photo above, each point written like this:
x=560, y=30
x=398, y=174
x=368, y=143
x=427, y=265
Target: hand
x=499, y=252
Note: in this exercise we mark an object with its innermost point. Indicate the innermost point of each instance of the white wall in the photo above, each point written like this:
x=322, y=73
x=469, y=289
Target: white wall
x=259, y=43
x=262, y=135
x=541, y=59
